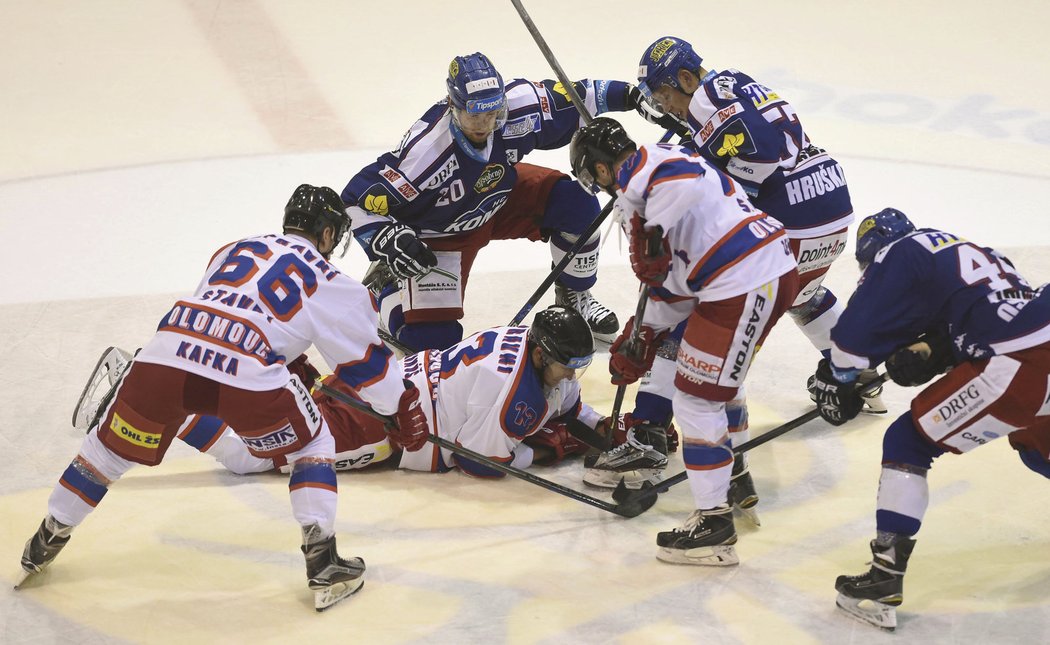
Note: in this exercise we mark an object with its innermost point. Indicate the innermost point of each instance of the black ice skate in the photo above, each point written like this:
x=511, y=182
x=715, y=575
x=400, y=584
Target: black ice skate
x=742, y=494
x=641, y=458
x=706, y=539
x=600, y=319
x=43, y=547
x=330, y=577
x=99, y=390
x=873, y=597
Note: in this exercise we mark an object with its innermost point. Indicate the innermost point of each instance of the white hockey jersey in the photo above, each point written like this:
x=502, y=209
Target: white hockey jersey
x=262, y=302
x=486, y=396
x=721, y=245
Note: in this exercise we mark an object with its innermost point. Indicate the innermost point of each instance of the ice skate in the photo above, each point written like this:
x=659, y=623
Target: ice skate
x=873, y=597
x=872, y=401
x=600, y=319
x=706, y=539
x=378, y=277
x=742, y=494
x=642, y=458
x=43, y=547
x=331, y=577
x=100, y=387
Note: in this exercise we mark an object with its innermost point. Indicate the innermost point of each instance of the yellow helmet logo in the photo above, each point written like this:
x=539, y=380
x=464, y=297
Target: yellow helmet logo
x=453, y=68
x=377, y=204
x=731, y=145
x=660, y=48
x=866, y=225
x=560, y=89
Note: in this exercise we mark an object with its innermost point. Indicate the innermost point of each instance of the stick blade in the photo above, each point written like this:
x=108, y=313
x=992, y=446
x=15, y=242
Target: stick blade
x=633, y=503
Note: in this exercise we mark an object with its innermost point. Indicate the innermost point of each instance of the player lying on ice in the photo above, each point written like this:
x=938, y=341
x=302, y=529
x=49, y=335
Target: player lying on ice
x=508, y=393
x=929, y=301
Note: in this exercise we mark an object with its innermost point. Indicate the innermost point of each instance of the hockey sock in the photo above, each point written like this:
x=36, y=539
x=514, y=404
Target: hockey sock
x=314, y=493
x=903, y=497
x=77, y=493
x=582, y=272
x=817, y=316
x=736, y=417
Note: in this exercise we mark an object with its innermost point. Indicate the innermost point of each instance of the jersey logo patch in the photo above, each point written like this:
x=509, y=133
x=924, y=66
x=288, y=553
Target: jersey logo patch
x=490, y=176
x=377, y=204
x=731, y=145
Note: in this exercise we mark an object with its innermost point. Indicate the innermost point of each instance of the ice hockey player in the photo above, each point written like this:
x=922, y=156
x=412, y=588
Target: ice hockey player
x=457, y=182
x=222, y=352
x=559, y=343
x=928, y=301
x=748, y=131
x=719, y=264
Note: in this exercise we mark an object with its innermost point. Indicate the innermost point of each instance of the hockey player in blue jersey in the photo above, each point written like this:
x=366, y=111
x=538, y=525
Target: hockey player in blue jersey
x=929, y=301
x=456, y=182
x=747, y=130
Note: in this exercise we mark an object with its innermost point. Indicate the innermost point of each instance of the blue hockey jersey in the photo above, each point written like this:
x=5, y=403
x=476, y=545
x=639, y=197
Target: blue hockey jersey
x=432, y=185
x=931, y=279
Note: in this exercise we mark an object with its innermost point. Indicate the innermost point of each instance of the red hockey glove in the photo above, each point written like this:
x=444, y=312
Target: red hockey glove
x=411, y=430
x=306, y=372
x=650, y=253
x=555, y=442
x=629, y=360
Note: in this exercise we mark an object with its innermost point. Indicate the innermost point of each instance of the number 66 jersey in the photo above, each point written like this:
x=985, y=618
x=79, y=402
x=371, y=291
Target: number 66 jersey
x=262, y=302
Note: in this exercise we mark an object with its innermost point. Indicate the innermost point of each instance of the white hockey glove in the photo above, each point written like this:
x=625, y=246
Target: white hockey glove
x=398, y=246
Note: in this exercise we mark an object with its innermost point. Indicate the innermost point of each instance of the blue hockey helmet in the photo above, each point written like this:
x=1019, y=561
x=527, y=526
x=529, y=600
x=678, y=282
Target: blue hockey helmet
x=476, y=94
x=662, y=60
x=878, y=231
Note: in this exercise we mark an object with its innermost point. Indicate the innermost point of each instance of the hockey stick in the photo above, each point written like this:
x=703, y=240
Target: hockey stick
x=631, y=509
x=560, y=267
x=553, y=62
x=395, y=343
x=641, y=497
x=643, y=300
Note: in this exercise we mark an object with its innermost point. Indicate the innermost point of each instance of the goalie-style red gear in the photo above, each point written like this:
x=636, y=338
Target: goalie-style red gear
x=555, y=437
x=629, y=360
x=411, y=430
x=650, y=253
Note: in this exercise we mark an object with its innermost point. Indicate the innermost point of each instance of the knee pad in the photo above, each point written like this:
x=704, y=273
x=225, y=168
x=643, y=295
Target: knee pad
x=431, y=335
x=569, y=208
x=902, y=444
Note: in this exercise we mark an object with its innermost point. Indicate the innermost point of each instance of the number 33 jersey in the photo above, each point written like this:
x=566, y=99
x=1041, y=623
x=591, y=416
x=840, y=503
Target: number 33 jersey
x=262, y=302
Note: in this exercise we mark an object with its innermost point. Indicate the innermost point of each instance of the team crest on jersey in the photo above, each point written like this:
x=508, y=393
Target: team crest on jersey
x=377, y=199
x=731, y=145
x=490, y=176
x=735, y=140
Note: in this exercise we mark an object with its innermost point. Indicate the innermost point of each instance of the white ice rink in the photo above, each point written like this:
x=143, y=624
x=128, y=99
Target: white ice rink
x=140, y=136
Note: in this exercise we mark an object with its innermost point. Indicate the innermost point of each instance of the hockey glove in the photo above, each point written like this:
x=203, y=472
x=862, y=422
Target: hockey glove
x=923, y=360
x=411, y=430
x=637, y=100
x=837, y=402
x=397, y=246
x=629, y=360
x=650, y=253
x=306, y=372
x=553, y=443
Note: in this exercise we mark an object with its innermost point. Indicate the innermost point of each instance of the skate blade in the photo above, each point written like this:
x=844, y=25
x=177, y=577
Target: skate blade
x=867, y=611
x=325, y=598
x=92, y=385
x=23, y=577
x=632, y=479
x=722, y=555
x=750, y=514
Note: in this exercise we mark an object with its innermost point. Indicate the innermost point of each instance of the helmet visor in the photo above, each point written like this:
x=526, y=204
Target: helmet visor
x=481, y=117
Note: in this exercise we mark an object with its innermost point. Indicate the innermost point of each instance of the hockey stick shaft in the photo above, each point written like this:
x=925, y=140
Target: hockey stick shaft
x=639, y=311
x=553, y=62
x=478, y=457
x=766, y=437
x=560, y=267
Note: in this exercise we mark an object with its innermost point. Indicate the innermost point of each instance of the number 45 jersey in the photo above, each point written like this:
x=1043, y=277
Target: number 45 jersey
x=932, y=279
x=487, y=396
x=262, y=302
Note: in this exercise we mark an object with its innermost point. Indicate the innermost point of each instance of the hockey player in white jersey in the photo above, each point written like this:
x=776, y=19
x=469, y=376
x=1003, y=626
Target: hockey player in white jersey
x=458, y=181
x=723, y=267
x=222, y=352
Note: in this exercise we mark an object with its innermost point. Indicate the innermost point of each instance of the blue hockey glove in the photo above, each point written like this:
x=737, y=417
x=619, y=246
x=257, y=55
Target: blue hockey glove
x=398, y=246
x=837, y=402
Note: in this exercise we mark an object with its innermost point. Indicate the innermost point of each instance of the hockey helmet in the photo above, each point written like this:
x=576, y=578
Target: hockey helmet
x=312, y=208
x=877, y=231
x=602, y=140
x=563, y=336
x=662, y=60
x=476, y=92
